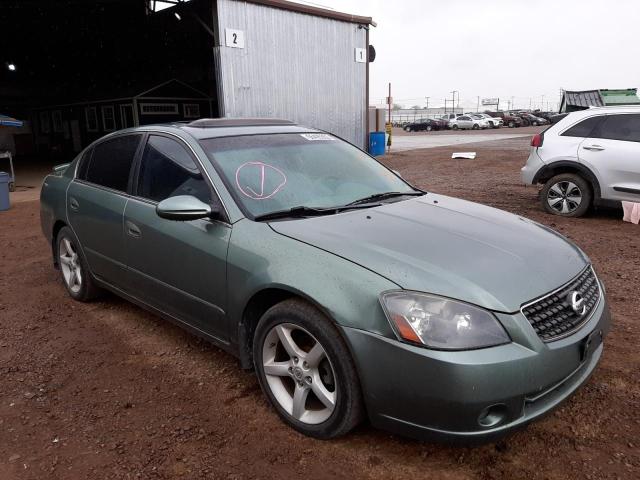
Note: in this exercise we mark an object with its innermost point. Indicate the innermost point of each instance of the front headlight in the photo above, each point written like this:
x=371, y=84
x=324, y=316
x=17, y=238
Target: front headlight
x=441, y=323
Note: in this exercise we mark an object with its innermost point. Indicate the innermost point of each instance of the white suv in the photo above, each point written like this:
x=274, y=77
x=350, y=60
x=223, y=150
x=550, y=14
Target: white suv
x=589, y=157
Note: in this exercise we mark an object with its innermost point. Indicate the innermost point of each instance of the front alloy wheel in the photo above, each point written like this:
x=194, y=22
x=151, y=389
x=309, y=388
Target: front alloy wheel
x=299, y=373
x=567, y=195
x=305, y=370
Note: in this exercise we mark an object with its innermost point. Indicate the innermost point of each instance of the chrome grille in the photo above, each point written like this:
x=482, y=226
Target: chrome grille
x=553, y=316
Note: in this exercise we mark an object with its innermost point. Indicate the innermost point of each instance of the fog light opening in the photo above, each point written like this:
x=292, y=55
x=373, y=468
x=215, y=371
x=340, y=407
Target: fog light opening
x=493, y=415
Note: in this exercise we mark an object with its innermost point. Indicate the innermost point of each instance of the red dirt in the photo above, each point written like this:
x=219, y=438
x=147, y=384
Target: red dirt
x=107, y=390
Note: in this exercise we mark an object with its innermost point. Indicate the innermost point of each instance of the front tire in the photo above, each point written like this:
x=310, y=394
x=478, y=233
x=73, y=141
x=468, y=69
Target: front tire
x=305, y=370
x=512, y=124
x=476, y=126
x=429, y=128
x=566, y=195
x=455, y=127
x=407, y=129
x=75, y=274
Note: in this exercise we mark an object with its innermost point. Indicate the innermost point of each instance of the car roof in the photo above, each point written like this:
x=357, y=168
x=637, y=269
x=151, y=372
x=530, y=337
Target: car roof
x=230, y=127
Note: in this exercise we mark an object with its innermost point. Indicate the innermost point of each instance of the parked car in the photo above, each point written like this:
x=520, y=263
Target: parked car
x=530, y=119
x=546, y=115
x=587, y=158
x=467, y=122
x=509, y=120
x=448, y=117
x=350, y=292
x=424, y=124
x=494, y=122
x=442, y=123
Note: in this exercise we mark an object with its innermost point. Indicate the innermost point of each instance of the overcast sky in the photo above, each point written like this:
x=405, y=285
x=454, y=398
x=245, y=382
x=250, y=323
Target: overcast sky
x=499, y=48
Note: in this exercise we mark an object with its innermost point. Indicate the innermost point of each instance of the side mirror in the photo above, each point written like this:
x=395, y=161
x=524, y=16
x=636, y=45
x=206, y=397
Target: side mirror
x=185, y=208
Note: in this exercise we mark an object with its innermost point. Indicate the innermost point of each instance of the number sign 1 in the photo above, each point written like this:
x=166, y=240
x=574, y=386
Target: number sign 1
x=361, y=55
x=234, y=38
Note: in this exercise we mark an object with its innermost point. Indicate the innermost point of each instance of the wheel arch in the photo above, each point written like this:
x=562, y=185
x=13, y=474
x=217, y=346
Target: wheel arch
x=557, y=168
x=57, y=226
x=259, y=302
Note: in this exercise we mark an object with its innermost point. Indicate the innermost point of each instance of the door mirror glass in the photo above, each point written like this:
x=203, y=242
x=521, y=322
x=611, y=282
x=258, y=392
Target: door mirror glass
x=184, y=208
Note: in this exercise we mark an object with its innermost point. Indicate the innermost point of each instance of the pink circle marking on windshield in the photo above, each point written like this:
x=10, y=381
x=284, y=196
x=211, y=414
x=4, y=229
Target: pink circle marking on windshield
x=260, y=171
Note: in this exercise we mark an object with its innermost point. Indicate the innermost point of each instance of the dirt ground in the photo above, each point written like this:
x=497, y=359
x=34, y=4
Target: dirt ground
x=107, y=390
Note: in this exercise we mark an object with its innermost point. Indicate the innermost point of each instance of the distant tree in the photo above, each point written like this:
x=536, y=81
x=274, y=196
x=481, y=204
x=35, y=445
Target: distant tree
x=416, y=107
x=397, y=106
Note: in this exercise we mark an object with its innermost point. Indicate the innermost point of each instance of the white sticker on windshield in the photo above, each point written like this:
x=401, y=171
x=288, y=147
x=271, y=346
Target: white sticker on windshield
x=316, y=136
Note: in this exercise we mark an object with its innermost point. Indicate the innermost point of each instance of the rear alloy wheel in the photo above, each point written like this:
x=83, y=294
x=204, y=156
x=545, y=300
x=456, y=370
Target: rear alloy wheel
x=512, y=124
x=429, y=128
x=75, y=274
x=407, y=129
x=306, y=371
x=455, y=127
x=567, y=195
x=476, y=126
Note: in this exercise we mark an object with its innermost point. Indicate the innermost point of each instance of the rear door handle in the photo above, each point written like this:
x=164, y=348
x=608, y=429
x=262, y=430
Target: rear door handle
x=73, y=204
x=593, y=148
x=132, y=229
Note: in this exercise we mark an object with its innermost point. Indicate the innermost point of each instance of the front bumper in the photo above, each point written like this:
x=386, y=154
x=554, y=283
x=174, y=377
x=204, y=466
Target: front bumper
x=478, y=395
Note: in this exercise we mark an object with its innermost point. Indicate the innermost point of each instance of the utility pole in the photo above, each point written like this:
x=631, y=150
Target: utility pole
x=427, y=104
x=513, y=107
x=454, y=100
x=542, y=103
x=478, y=105
x=445, y=106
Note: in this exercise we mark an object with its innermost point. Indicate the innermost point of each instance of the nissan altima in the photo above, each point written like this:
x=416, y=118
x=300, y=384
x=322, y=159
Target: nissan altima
x=351, y=293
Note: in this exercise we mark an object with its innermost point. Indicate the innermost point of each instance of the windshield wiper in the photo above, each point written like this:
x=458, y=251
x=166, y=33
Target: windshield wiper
x=300, y=211
x=383, y=196
x=304, y=211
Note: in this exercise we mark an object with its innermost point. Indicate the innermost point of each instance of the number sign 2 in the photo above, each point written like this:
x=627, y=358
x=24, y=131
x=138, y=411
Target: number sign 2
x=234, y=38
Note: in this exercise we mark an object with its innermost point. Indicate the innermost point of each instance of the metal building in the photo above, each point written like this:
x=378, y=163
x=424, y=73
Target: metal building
x=85, y=63
x=276, y=58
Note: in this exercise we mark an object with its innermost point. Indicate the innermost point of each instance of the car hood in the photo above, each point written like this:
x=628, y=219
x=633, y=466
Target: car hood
x=449, y=247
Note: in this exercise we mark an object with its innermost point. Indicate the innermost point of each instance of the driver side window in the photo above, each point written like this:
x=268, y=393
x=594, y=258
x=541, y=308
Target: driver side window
x=168, y=170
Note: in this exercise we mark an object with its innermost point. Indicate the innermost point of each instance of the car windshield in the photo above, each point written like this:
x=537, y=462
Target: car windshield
x=276, y=172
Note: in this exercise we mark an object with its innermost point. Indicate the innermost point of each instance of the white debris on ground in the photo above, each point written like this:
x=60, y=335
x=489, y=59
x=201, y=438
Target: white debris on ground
x=631, y=212
x=469, y=155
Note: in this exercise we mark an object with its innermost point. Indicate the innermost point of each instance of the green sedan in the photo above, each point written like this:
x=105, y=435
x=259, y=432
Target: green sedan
x=351, y=293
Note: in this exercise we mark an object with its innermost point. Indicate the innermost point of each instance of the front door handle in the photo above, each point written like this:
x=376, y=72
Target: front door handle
x=593, y=148
x=73, y=204
x=132, y=229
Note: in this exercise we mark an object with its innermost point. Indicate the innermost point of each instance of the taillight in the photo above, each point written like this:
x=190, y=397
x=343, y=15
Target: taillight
x=537, y=139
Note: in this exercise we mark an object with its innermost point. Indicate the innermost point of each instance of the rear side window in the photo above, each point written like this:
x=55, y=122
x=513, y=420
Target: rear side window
x=619, y=127
x=584, y=128
x=111, y=162
x=168, y=170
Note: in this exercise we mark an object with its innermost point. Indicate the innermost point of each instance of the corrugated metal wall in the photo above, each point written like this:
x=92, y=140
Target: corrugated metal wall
x=294, y=66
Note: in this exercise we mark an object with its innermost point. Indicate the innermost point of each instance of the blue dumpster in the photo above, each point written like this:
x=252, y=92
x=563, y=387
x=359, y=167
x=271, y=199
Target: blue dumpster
x=376, y=143
x=5, y=178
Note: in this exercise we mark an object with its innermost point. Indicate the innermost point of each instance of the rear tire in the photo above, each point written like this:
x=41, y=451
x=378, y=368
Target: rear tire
x=566, y=195
x=429, y=128
x=331, y=373
x=455, y=127
x=511, y=124
x=76, y=276
x=476, y=126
